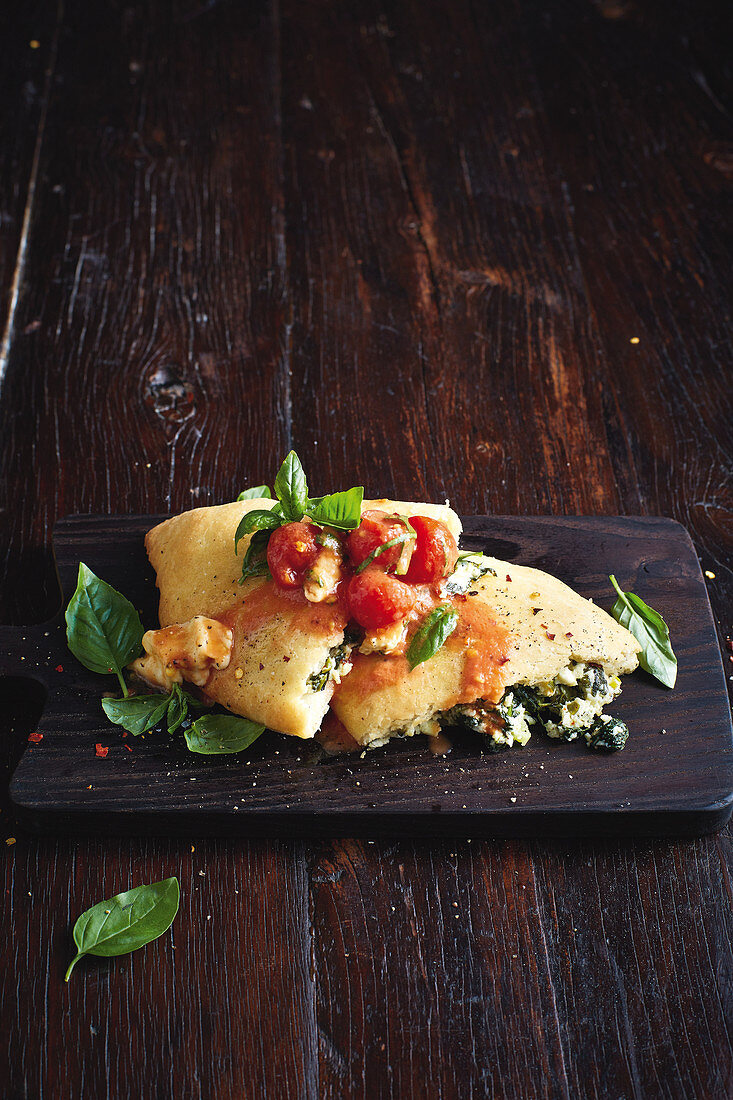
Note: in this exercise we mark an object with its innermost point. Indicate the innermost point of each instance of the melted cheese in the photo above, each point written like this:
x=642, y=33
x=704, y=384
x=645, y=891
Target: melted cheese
x=184, y=651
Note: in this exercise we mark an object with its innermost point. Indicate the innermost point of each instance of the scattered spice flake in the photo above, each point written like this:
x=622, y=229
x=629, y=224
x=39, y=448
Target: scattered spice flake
x=89, y=787
x=10, y=841
x=634, y=340
x=709, y=574
x=568, y=635
x=286, y=659
x=550, y=636
x=508, y=577
x=101, y=750
x=59, y=668
x=35, y=737
x=129, y=748
x=503, y=660
x=261, y=666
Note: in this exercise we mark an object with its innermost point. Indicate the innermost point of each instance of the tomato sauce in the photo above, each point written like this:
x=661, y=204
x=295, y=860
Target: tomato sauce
x=485, y=643
x=269, y=600
x=478, y=635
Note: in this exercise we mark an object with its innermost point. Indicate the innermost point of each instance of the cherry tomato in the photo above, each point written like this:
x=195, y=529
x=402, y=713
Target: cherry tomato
x=435, y=553
x=290, y=552
x=375, y=529
x=378, y=599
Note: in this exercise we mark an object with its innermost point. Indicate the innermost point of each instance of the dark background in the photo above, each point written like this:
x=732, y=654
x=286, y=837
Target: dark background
x=415, y=242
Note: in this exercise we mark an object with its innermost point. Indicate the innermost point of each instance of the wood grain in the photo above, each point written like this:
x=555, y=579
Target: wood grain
x=417, y=241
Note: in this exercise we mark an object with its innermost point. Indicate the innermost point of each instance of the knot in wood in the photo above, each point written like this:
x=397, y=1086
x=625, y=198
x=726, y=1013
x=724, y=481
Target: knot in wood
x=171, y=396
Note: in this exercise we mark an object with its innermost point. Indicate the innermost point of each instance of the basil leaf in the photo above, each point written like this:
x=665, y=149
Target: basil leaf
x=340, y=510
x=380, y=550
x=103, y=629
x=257, y=520
x=291, y=488
x=127, y=921
x=256, y=493
x=221, y=733
x=137, y=713
x=431, y=635
x=651, y=631
x=254, y=563
x=177, y=708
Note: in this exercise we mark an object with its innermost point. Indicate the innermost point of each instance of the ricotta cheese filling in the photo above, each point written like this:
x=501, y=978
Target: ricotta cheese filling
x=184, y=651
x=567, y=707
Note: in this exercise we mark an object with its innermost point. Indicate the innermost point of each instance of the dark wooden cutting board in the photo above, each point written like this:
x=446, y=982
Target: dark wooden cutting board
x=674, y=776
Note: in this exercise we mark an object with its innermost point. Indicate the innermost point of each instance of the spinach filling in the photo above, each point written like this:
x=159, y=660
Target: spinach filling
x=337, y=658
x=565, y=709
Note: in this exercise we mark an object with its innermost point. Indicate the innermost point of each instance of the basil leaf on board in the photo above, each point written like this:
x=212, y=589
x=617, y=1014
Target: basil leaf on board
x=256, y=493
x=177, y=708
x=254, y=563
x=137, y=713
x=261, y=519
x=431, y=635
x=127, y=921
x=291, y=488
x=340, y=510
x=103, y=629
x=652, y=633
x=221, y=733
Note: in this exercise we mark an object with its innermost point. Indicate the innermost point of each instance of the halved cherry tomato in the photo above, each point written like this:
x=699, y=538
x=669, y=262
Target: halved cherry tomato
x=435, y=553
x=378, y=599
x=291, y=551
x=375, y=529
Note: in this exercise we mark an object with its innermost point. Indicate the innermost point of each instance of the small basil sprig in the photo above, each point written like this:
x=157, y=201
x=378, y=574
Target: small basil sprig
x=211, y=733
x=340, y=510
x=103, y=629
x=127, y=921
x=214, y=734
x=137, y=713
x=291, y=488
x=255, y=493
x=432, y=633
x=651, y=631
x=142, y=713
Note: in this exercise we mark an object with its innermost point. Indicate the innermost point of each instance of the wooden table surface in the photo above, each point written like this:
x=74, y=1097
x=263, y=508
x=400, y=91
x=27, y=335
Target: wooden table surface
x=446, y=249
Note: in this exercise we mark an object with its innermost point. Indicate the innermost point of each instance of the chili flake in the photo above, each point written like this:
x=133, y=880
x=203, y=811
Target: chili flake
x=35, y=737
x=101, y=750
x=59, y=668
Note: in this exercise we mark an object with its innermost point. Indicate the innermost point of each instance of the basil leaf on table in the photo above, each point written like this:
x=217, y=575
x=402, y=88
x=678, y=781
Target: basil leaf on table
x=137, y=713
x=127, y=921
x=340, y=510
x=431, y=635
x=103, y=629
x=256, y=493
x=214, y=734
x=291, y=488
x=652, y=633
x=261, y=519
